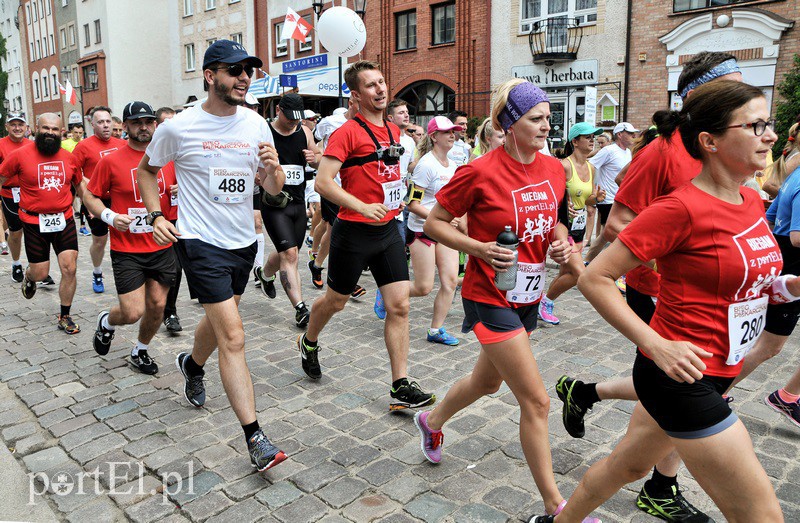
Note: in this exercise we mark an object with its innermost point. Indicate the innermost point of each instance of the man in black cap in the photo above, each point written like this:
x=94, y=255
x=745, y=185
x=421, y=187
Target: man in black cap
x=15, y=127
x=218, y=147
x=286, y=222
x=143, y=270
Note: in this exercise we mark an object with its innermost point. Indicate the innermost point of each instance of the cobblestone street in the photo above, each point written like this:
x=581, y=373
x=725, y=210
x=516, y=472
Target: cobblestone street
x=66, y=412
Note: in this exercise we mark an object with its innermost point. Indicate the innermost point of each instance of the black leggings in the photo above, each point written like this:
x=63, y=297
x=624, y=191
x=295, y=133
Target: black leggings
x=286, y=227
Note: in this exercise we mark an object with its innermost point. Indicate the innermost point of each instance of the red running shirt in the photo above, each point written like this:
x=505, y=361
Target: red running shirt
x=710, y=254
x=369, y=182
x=656, y=170
x=495, y=191
x=115, y=174
x=8, y=146
x=89, y=151
x=44, y=181
x=170, y=211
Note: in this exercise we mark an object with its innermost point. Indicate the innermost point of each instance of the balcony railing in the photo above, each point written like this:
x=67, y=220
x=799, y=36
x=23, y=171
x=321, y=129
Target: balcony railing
x=555, y=39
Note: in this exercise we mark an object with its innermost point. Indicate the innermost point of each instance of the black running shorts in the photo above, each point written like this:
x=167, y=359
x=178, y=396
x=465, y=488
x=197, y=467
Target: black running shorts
x=329, y=210
x=356, y=245
x=212, y=273
x=642, y=304
x=682, y=410
x=37, y=244
x=286, y=227
x=782, y=318
x=603, y=210
x=132, y=269
x=493, y=324
x=11, y=214
x=96, y=225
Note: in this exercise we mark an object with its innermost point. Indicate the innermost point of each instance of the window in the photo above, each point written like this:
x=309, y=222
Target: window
x=188, y=7
x=237, y=38
x=209, y=42
x=87, y=36
x=36, y=87
x=28, y=7
x=33, y=54
x=211, y=4
x=56, y=92
x=234, y=1
x=584, y=11
x=64, y=3
x=190, y=66
x=307, y=45
x=39, y=45
x=72, y=35
x=406, y=28
x=45, y=87
x=97, y=31
x=48, y=7
x=281, y=47
x=90, y=78
x=63, y=34
x=35, y=12
x=689, y=5
x=52, y=46
x=444, y=24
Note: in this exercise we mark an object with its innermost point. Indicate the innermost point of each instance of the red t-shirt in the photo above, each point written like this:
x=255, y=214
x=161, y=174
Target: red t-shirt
x=8, y=146
x=710, y=254
x=115, y=174
x=495, y=191
x=171, y=210
x=44, y=181
x=373, y=182
x=89, y=151
x=656, y=170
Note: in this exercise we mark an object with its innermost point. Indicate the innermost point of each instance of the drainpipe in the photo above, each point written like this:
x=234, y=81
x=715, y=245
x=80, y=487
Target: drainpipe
x=627, y=62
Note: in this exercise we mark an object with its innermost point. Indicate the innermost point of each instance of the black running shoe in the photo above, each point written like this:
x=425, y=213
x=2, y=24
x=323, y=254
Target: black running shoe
x=193, y=389
x=48, y=280
x=267, y=284
x=669, y=505
x=571, y=413
x=28, y=287
x=409, y=396
x=263, y=454
x=102, y=336
x=309, y=358
x=301, y=316
x=17, y=274
x=541, y=519
x=173, y=323
x=316, y=275
x=255, y=278
x=144, y=363
x=358, y=292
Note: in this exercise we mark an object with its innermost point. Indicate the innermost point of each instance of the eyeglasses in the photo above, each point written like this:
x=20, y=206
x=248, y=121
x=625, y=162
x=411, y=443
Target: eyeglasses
x=759, y=126
x=235, y=70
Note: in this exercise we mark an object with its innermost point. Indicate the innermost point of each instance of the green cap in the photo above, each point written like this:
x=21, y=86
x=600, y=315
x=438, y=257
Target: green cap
x=582, y=128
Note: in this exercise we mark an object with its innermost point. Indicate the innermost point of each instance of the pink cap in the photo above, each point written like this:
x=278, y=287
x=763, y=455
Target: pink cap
x=442, y=123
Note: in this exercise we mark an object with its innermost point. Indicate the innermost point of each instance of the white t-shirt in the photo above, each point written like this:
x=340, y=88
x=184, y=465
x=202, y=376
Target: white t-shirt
x=431, y=175
x=608, y=162
x=325, y=129
x=408, y=144
x=460, y=153
x=216, y=159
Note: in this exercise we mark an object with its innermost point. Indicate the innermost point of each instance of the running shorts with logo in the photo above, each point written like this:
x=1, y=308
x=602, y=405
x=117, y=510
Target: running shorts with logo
x=286, y=227
x=215, y=274
x=37, y=243
x=356, y=246
x=131, y=270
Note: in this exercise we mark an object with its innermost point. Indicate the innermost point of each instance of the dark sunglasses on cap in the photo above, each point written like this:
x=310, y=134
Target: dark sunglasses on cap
x=235, y=70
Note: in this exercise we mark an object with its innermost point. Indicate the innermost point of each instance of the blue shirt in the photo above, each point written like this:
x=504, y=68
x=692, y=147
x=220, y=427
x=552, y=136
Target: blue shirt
x=785, y=210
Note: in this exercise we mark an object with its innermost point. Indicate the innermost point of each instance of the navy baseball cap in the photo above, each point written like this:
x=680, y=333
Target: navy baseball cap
x=228, y=52
x=135, y=110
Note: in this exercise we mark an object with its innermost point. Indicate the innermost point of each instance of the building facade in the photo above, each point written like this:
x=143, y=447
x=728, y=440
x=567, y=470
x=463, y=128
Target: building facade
x=13, y=62
x=573, y=49
x=762, y=34
x=38, y=31
x=196, y=24
x=69, y=53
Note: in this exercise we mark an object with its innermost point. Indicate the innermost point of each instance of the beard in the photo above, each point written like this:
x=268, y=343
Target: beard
x=47, y=144
x=141, y=137
x=225, y=94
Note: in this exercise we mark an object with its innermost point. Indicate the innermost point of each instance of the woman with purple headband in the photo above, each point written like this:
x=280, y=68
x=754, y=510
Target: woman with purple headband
x=517, y=186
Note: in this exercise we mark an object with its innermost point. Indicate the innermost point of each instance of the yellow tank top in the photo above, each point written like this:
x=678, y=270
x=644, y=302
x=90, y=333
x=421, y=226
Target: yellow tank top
x=579, y=190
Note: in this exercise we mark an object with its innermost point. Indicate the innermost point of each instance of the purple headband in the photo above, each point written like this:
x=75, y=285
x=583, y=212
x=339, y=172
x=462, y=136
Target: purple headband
x=521, y=99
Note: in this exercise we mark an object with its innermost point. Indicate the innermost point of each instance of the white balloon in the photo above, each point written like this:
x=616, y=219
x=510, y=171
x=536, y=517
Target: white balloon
x=342, y=31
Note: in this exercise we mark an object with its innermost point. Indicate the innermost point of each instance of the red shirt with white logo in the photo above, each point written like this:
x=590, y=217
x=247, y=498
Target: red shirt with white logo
x=656, y=170
x=710, y=254
x=89, y=151
x=8, y=146
x=373, y=182
x=44, y=181
x=494, y=191
x=115, y=174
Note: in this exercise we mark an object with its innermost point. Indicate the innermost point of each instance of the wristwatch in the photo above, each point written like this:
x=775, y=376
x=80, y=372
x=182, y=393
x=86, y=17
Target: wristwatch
x=151, y=217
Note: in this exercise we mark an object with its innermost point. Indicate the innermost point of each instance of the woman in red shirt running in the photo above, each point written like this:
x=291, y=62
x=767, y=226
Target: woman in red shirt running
x=719, y=266
x=511, y=185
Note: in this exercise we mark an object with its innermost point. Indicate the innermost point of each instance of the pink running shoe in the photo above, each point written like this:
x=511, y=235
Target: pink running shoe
x=585, y=520
x=546, y=311
x=432, y=440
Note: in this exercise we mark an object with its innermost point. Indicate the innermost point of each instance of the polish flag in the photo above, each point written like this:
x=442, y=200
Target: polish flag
x=295, y=26
x=69, y=93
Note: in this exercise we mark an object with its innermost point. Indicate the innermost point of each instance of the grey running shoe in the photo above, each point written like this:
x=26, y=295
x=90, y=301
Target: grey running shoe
x=193, y=389
x=263, y=454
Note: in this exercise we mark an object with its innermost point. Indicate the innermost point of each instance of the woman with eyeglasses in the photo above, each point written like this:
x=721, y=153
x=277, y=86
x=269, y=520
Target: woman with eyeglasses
x=719, y=265
x=583, y=192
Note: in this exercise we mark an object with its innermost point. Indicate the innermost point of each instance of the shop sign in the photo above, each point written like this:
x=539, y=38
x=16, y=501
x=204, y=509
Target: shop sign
x=579, y=72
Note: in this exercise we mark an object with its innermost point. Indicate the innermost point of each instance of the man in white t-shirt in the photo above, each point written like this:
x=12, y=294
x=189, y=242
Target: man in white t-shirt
x=397, y=113
x=219, y=149
x=461, y=149
x=608, y=162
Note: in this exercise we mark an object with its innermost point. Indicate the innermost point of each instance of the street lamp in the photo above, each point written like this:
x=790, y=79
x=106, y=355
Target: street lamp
x=65, y=74
x=361, y=9
x=6, y=105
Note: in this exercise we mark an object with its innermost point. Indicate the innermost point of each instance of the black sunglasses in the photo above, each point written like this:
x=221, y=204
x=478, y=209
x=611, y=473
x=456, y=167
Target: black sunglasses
x=235, y=70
